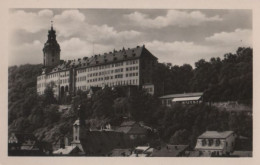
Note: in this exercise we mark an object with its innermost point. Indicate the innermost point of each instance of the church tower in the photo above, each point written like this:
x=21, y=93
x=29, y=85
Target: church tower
x=51, y=50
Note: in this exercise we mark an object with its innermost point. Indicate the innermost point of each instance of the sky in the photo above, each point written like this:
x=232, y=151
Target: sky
x=173, y=36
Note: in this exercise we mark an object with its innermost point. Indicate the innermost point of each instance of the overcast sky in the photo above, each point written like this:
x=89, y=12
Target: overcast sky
x=176, y=36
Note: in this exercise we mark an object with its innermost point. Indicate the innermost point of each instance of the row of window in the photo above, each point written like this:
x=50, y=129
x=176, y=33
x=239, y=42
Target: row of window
x=210, y=142
x=131, y=74
x=83, y=78
x=119, y=70
x=63, y=81
x=110, y=77
x=111, y=84
x=132, y=68
x=105, y=72
x=107, y=66
x=131, y=62
x=66, y=74
x=150, y=89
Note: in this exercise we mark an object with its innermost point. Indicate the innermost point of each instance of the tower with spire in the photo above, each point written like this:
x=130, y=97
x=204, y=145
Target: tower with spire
x=51, y=50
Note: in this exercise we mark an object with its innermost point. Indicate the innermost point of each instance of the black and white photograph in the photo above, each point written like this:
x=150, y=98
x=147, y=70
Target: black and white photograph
x=130, y=82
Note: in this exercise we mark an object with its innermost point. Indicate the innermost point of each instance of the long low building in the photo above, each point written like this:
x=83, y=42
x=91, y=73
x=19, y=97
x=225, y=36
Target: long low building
x=124, y=67
x=184, y=98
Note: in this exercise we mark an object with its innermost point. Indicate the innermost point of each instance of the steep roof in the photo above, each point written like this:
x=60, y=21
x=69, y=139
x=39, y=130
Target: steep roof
x=123, y=129
x=106, y=58
x=67, y=150
x=120, y=152
x=169, y=151
x=137, y=130
x=182, y=95
x=127, y=123
x=215, y=134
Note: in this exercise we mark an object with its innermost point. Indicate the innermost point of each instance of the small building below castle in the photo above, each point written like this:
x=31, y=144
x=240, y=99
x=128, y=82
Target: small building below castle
x=183, y=98
x=213, y=143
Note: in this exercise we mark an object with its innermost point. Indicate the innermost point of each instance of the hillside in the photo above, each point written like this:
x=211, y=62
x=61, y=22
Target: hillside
x=229, y=79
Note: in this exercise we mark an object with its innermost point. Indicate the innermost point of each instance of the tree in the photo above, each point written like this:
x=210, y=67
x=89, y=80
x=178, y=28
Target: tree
x=180, y=137
x=48, y=97
x=103, y=103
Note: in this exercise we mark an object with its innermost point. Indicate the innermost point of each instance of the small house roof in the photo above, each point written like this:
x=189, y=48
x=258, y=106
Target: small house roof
x=181, y=95
x=169, y=151
x=123, y=129
x=216, y=134
x=67, y=150
x=137, y=130
x=120, y=152
x=196, y=98
x=127, y=123
x=142, y=148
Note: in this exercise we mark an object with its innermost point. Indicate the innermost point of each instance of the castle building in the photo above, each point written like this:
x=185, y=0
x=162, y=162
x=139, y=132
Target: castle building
x=126, y=67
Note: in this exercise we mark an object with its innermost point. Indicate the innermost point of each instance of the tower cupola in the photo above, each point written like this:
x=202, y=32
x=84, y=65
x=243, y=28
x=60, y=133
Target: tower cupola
x=51, y=50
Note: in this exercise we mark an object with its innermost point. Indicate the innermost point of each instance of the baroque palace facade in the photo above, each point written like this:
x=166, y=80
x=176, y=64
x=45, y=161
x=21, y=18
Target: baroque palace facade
x=126, y=67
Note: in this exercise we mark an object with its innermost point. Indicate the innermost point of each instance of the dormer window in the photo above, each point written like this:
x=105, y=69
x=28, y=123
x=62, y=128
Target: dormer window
x=134, y=54
x=210, y=142
x=115, y=59
x=217, y=142
x=204, y=142
x=96, y=62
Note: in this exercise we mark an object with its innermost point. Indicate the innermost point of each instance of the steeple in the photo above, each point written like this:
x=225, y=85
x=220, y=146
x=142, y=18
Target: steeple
x=51, y=49
x=51, y=24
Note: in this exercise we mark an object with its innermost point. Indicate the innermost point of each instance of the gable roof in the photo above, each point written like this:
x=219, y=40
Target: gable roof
x=215, y=134
x=67, y=150
x=131, y=127
x=120, y=152
x=137, y=130
x=127, y=123
x=180, y=95
x=123, y=129
x=169, y=151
